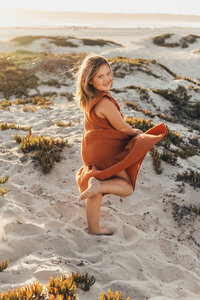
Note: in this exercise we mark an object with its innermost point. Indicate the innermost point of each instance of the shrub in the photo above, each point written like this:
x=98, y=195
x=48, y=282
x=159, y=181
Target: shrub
x=178, y=96
x=168, y=157
x=142, y=124
x=134, y=106
x=48, y=149
x=192, y=177
x=156, y=160
x=160, y=40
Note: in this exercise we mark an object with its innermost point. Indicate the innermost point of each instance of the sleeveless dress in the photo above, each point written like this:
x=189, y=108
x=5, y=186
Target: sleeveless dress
x=106, y=151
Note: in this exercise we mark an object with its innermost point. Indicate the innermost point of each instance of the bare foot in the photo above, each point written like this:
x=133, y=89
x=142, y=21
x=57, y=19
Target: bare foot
x=93, y=189
x=101, y=231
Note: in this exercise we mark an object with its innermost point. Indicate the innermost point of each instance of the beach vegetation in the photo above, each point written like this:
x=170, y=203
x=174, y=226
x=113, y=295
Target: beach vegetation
x=19, y=101
x=29, y=39
x=4, y=179
x=176, y=96
x=126, y=65
x=61, y=64
x=168, y=157
x=52, y=82
x=29, y=108
x=25, y=59
x=4, y=265
x=48, y=94
x=117, y=91
x=43, y=149
x=156, y=160
x=62, y=41
x=62, y=124
x=14, y=80
x=167, y=118
x=194, y=88
x=161, y=40
x=98, y=42
x=144, y=92
x=186, y=151
x=188, y=39
x=5, y=104
x=70, y=96
x=177, y=77
x=169, y=154
x=60, y=288
x=182, y=108
x=5, y=126
x=181, y=211
x=3, y=191
x=42, y=101
x=26, y=39
x=113, y=296
x=196, y=210
x=140, y=123
x=192, y=177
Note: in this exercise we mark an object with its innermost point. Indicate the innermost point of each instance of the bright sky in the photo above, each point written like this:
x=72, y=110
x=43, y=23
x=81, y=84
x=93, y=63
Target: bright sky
x=121, y=6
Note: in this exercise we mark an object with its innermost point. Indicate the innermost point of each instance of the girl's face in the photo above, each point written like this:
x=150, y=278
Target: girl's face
x=102, y=80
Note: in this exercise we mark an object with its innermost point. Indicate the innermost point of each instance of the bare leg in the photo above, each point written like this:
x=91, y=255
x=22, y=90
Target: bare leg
x=117, y=186
x=93, y=206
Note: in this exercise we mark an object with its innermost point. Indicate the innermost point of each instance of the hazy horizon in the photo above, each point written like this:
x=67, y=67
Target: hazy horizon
x=17, y=10
x=180, y=7
x=38, y=18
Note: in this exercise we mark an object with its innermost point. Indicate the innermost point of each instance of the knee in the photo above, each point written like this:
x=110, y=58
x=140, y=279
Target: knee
x=129, y=190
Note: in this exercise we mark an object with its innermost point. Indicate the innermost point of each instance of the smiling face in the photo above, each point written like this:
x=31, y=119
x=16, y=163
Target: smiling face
x=102, y=80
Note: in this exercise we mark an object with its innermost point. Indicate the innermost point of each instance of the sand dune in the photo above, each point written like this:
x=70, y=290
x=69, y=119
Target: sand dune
x=154, y=252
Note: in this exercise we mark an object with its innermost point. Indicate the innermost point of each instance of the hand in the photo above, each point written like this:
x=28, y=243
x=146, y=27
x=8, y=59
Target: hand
x=137, y=132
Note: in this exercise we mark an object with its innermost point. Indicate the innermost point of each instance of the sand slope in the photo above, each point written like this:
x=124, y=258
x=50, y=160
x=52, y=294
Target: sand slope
x=43, y=229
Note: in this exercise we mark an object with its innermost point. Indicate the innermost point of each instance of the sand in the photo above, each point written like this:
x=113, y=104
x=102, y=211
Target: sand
x=43, y=229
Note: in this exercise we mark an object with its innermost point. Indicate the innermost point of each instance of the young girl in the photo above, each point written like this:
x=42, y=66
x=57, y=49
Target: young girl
x=112, y=151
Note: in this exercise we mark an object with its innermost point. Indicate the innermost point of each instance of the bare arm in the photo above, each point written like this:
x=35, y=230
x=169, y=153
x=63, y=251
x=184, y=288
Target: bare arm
x=109, y=110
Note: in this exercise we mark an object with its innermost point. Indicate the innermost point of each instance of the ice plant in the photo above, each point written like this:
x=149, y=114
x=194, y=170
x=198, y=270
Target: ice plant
x=111, y=296
x=47, y=149
x=4, y=265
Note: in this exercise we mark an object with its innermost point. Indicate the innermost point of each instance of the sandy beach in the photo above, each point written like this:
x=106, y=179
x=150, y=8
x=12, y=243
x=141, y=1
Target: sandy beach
x=155, y=250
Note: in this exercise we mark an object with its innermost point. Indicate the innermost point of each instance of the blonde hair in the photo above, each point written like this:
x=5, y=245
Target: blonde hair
x=85, y=92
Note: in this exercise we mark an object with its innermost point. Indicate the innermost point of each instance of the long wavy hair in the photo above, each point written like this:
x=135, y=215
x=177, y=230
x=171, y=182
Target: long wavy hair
x=85, y=92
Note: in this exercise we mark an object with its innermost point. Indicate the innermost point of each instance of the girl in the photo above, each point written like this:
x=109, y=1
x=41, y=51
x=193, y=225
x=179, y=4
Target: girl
x=112, y=151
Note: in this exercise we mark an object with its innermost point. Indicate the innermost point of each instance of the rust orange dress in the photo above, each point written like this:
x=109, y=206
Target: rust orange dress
x=106, y=151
